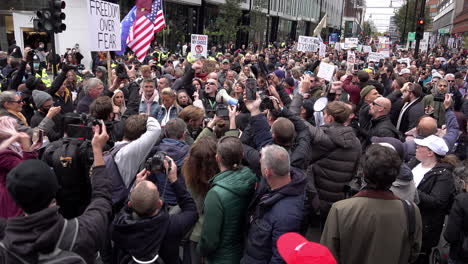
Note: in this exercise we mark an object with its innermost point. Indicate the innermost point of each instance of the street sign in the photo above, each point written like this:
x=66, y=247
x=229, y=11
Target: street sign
x=104, y=25
x=200, y=46
x=411, y=36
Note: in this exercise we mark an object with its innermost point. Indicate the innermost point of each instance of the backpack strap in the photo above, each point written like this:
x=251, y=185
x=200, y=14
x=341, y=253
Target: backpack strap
x=68, y=235
x=411, y=220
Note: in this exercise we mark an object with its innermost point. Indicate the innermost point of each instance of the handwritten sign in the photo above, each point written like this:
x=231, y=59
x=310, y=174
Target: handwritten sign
x=199, y=46
x=351, y=42
x=308, y=44
x=322, y=50
x=326, y=71
x=374, y=57
x=104, y=25
x=351, y=57
x=366, y=49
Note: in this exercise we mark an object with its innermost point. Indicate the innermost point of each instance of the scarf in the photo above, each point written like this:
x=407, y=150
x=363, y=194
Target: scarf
x=67, y=95
x=149, y=101
x=20, y=116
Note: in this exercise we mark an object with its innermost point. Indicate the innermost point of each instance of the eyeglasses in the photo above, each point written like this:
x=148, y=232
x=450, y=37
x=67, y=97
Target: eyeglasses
x=18, y=102
x=374, y=103
x=211, y=83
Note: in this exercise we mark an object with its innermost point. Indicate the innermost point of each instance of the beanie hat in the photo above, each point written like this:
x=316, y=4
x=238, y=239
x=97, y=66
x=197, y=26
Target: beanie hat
x=289, y=81
x=279, y=74
x=40, y=97
x=32, y=185
x=295, y=249
x=366, y=90
x=101, y=69
x=31, y=82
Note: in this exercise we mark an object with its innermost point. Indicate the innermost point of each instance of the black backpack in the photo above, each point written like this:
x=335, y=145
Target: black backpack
x=62, y=252
x=6, y=80
x=71, y=160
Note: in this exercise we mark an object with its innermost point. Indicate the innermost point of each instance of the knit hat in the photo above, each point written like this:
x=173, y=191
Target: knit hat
x=289, y=81
x=32, y=185
x=279, y=74
x=295, y=249
x=436, y=74
x=366, y=90
x=40, y=97
x=101, y=69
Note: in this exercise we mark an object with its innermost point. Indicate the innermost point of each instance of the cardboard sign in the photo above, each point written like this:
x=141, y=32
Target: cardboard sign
x=104, y=25
x=366, y=49
x=308, y=44
x=326, y=71
x=385, y=53
x=351, y=57
x=405, y=60
x=375, y=57
x=199, y=46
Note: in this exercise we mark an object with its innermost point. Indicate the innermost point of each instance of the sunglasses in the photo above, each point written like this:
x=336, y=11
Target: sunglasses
x=18, y=102
x=211, y=83
x=450, y=80
x=374, y=103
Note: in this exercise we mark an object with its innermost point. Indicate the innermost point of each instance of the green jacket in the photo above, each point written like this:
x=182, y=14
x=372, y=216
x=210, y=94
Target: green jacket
x=226, y=203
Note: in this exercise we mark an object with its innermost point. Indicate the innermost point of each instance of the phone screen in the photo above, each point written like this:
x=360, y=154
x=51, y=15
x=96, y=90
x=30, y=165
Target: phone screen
x=251, y=88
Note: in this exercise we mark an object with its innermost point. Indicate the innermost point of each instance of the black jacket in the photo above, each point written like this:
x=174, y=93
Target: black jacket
x=334, y=161
x=65, y=102
x=383, y=127
x=53, y=134
x=435, y=192
x=143, y=238
x=457, y=228
x=39, y=232
x=271, y=214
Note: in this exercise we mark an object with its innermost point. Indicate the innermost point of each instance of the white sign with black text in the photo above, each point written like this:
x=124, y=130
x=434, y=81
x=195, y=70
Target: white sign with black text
x=308, y=44
x=104, y=25
x=199, y=46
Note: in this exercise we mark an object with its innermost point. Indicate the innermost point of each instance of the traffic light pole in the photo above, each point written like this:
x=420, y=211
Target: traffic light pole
x=421, y=15
x=54, y=66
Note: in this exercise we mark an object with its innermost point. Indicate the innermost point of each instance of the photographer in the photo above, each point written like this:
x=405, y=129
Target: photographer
x=144, y=230
x=434, y=102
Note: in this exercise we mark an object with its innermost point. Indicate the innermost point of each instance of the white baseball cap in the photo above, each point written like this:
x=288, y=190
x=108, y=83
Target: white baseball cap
x=434, y=143
x=403, y=71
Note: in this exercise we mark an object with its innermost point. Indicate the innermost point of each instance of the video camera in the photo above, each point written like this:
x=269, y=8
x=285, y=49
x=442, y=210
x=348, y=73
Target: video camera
x=80, y=125
x=156, y=163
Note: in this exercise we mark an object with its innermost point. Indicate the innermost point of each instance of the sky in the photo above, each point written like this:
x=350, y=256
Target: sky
x=379, y=12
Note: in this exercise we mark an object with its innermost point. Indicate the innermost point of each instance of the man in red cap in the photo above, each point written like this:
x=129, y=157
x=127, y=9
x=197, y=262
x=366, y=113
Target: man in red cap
x=295, y=249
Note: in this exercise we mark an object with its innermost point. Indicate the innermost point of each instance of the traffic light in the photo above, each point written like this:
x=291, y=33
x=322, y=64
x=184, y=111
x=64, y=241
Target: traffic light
x=58, y=16
x=420, y=29
x=51, y=19
x=194, y=20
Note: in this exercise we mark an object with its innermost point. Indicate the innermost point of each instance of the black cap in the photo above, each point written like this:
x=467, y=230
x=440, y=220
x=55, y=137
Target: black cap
x=32, y=185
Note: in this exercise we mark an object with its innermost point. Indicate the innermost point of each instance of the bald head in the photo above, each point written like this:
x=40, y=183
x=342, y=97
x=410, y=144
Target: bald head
x=144, y=199
x=427, y=126
x=212, y=75
x=380, y=107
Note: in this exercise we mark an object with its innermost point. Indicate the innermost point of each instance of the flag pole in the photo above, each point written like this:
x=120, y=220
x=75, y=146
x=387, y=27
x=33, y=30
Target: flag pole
x=109, y=72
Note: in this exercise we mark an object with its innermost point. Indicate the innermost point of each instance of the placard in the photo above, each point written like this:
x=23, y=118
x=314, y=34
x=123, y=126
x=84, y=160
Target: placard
x=351, y=57
x=104, y=25
x=323, y=50
x=351, y=42
x=308, y=44
x=385, y=53
x=375, y=57
x=405, y=60
x=199, y=46
x=326, y=71
x=366, y=49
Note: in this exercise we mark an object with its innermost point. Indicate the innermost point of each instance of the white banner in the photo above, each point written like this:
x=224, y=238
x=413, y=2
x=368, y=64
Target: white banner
x=323, y=50
x=351, y=57
x=351, y=42
x=199, y=46
x=104, y=25
x=308, y=44
x=326, y=71
x=385, y=53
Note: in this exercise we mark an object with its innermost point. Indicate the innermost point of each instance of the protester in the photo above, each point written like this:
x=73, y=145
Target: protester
x=92, y=88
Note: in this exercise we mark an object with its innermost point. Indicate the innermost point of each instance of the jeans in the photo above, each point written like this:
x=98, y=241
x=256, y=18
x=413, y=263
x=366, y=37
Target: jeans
x=451, y=261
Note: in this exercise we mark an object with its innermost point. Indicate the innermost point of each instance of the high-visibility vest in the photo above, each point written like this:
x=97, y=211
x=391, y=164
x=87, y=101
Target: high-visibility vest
x=190, y=58
x=44, y=78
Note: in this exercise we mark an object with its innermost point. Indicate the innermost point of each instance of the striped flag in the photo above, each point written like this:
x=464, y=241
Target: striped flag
x=146, y=25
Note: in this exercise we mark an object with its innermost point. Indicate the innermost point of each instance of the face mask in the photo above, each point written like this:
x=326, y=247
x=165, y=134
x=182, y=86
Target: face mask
x=36, y=65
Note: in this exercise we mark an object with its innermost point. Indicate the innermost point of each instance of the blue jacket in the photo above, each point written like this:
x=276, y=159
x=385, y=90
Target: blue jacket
x=177, y=150
x=161, y=113
x=271, y=214
x=153, y=110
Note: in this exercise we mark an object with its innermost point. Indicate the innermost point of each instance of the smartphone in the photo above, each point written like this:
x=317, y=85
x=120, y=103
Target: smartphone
x=222, y=111
x=251, y=89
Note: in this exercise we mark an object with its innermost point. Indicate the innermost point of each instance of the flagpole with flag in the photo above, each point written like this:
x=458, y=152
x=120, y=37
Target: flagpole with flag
x=320, y=26
x=139, y=27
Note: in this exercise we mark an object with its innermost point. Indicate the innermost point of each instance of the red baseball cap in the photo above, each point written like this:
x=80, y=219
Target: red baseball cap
x=295, y=249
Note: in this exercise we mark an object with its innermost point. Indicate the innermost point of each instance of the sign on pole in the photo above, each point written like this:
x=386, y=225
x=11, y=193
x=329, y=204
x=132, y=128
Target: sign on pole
x=104, y=25
x=308, y=44
x=326, y=71
x=199, y=46
x=411, y=36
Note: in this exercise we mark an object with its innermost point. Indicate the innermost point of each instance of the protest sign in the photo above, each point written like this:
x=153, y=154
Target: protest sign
x=351, y=57
x=308, y=44
x=405, y=60
x=359, y=48
x=104, y=25
x=351, y=42
x=323, y=50
x=375, y=57
x=199, y=46
x=385, y=53
x=366, y=49
x=326, y=71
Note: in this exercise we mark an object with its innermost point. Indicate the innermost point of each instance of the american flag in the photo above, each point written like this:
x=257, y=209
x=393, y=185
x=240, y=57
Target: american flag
x=144, y=28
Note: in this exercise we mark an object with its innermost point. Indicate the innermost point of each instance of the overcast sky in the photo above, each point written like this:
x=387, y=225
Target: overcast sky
x=381, y=12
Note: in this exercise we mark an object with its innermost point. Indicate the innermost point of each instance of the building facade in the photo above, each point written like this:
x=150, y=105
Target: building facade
x=353, y=17
x=393, y=30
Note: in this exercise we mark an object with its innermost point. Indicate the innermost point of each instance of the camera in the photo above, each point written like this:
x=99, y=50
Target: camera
x=156, y=163
x=121, y=71
x=222, y=111
x=266, y=103
x=439, y=98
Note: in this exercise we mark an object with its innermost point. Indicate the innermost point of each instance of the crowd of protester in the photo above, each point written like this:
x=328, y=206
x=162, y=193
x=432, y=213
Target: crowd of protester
x=242, y=157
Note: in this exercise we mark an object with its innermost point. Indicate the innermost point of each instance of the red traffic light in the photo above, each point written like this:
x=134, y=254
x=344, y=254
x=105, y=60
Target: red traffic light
x=421, y=21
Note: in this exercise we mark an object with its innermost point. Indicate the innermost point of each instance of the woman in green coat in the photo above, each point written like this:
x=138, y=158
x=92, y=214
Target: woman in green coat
x=226, y=202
